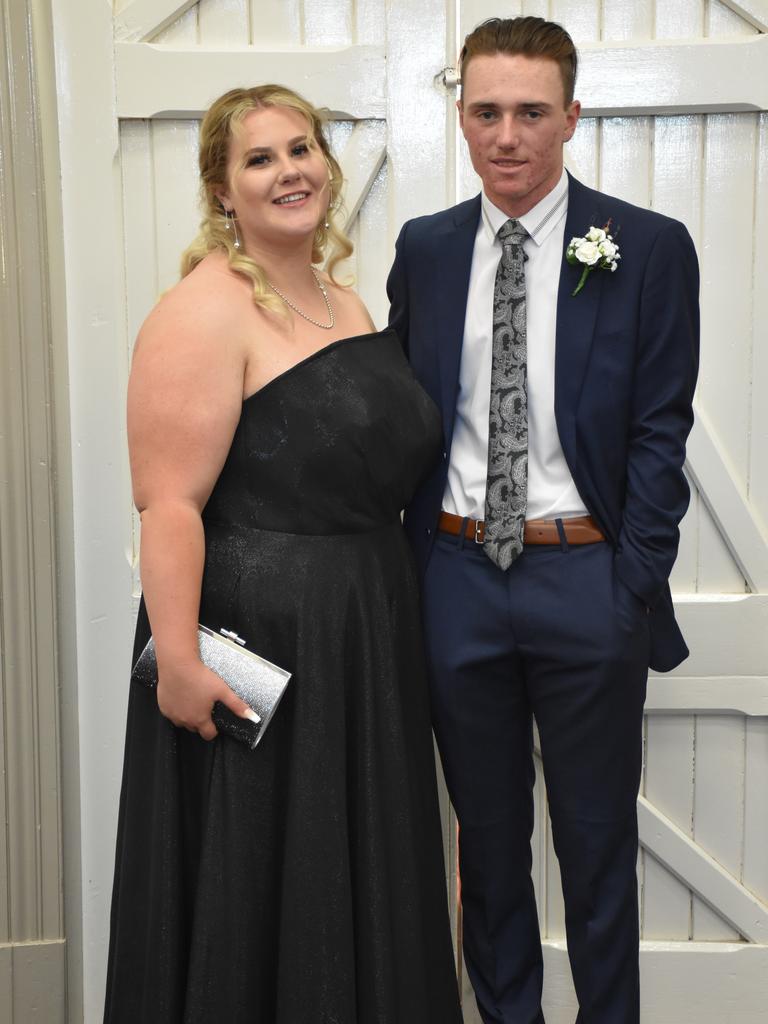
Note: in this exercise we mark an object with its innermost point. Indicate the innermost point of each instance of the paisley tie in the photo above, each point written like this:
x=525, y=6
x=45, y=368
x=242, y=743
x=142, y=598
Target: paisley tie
x=507, y=483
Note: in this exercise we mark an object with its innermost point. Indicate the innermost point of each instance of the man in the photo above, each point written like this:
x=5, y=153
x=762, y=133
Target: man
x=546, y=537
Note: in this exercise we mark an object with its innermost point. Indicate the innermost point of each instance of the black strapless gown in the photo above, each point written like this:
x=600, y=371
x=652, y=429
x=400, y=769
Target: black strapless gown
x=303, y=882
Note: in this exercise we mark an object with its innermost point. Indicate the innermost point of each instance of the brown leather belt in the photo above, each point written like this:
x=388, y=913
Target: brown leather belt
x=579, y=530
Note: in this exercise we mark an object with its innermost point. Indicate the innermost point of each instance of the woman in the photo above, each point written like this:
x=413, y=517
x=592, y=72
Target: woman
x=274, y=438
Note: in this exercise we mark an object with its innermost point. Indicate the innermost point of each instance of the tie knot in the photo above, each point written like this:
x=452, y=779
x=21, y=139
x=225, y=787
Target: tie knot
x=512, y=232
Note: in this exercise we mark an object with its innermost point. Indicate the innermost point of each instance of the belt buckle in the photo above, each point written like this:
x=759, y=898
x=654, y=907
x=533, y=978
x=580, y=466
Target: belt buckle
x=477, y=538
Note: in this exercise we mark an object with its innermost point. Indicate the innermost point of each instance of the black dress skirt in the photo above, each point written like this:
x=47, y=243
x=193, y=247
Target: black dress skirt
x=303, y=882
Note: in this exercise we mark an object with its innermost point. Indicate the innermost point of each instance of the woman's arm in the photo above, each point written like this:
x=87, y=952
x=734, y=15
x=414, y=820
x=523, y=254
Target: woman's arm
x=184, y=403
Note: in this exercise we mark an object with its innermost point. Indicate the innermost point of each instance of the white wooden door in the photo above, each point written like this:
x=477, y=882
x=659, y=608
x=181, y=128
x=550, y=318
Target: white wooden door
x=674, y=96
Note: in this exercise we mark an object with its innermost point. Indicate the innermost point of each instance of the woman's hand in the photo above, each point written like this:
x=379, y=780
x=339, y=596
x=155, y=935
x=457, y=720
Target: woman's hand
x=186, y=692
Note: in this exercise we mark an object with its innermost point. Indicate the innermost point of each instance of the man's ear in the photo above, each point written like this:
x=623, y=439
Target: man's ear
x=460, y=108
x=571, y=120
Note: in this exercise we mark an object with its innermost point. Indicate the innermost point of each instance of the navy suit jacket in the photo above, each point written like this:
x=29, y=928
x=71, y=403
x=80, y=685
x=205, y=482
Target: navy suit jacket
x=626, y=359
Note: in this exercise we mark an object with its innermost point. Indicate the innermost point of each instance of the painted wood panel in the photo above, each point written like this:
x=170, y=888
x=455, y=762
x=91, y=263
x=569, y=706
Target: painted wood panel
x=32, y=983
x=371, y=228
x=145, y=20
x=370, y=21
x=275, y=22
x=728, y=211
x=704, y=875
x=175, y=185
x=680, y=982
x=727, y=634
x=736, y=695
x=718, y=813
x=682, y=20
x=677, y=191
x=755, y=858
x=755, y=12
x=31, y=832
x=625, y=158
x=722, y=20
x=222, y=21
x=758, y=462
x=328, y=21
x=581, y=19
x=627, y=20
x=582, y=153
x=31, y=861
x=668, y=785
x=182, y=30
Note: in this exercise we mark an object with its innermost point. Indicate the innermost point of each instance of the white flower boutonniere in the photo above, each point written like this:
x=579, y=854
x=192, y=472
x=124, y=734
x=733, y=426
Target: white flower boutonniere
x=595, y=251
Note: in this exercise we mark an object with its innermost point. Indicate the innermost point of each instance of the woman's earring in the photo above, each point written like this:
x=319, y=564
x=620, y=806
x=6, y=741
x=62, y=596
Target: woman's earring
x=232, y=223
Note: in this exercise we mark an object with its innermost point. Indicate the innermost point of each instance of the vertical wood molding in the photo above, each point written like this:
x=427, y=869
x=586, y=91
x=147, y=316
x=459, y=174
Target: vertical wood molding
x=31, y=904
x=91, y=347
x=32, y=983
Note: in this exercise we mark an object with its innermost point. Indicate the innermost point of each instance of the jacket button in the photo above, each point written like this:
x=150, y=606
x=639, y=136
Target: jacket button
x=445, y=455
x=427, y=531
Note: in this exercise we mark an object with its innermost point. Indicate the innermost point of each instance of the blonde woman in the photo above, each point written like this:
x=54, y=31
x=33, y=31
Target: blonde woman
x=275, y=436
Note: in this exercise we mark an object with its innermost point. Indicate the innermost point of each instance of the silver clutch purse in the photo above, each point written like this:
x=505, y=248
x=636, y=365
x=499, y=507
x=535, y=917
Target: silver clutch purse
x=255, y=680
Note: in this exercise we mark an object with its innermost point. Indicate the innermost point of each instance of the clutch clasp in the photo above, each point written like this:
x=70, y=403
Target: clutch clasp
x=231, y=635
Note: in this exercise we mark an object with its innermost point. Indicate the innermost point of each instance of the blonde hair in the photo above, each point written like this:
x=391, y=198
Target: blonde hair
x=216, y=132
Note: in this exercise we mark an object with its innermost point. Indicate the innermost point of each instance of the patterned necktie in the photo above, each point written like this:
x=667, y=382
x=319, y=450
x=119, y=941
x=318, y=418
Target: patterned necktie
x=507, y=484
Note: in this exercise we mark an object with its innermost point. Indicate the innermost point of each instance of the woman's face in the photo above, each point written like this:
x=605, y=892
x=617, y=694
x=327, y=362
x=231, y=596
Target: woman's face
x=278, y=182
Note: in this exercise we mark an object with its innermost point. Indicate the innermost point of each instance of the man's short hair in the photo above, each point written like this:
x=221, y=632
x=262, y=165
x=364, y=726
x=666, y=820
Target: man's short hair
x=527, y=37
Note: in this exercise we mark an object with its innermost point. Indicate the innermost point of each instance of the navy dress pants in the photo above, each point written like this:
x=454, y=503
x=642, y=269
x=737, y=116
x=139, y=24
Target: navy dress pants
x=559, y=638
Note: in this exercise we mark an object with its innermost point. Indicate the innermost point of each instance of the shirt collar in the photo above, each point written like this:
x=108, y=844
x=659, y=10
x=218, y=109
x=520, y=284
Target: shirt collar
x=540, y=219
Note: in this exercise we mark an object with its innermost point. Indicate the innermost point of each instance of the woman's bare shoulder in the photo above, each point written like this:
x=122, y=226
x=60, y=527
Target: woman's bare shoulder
x=205, y=302
x=187, y=348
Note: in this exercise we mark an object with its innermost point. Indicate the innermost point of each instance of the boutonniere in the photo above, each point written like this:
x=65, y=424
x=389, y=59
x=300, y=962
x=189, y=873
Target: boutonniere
x=595, y=251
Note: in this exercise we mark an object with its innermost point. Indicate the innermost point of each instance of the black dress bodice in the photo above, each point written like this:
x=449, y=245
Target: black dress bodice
x=336, y=444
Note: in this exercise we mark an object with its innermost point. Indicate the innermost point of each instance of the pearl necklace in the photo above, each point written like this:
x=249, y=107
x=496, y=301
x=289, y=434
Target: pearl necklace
x=321, y=286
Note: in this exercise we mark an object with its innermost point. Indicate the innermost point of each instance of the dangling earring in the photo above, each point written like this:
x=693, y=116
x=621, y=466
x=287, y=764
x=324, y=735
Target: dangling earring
x=232, y=223
x=330, y=205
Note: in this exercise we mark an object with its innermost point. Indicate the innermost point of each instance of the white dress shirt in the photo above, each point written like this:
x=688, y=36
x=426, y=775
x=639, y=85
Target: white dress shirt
x=551, y=490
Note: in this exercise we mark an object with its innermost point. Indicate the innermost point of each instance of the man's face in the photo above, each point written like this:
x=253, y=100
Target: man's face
x=515, y=120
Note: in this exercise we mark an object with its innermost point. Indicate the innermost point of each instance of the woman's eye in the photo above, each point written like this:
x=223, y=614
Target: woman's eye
x=256, y=160
x=301, y=149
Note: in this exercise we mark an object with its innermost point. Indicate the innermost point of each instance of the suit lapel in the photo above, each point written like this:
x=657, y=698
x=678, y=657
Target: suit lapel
x=576, y=315
x=456, y=247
